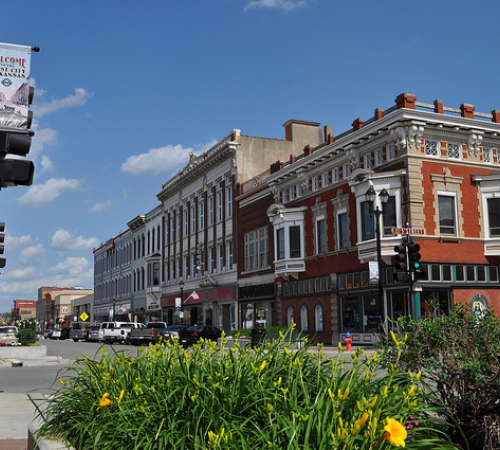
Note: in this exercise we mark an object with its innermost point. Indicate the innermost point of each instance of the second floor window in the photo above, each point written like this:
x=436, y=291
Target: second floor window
x=342, y=231
x=367, y=222
x=447, y=219
x=293, y=242
x=321, y=236
x=256, y=249
x=494, y=216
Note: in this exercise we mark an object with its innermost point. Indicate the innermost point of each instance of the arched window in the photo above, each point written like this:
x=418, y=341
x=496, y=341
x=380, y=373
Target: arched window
x=304, y=320
x=318, y=317
x=290, y=316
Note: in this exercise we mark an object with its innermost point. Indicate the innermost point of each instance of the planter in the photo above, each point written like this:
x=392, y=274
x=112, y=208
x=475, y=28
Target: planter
x=43, y=443
x=23, y=352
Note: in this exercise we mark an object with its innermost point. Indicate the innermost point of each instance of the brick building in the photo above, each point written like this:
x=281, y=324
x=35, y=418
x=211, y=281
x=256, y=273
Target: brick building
x=440, y=168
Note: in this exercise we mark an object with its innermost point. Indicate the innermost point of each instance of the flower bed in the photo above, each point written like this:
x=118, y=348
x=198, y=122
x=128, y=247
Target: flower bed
x=213, y=397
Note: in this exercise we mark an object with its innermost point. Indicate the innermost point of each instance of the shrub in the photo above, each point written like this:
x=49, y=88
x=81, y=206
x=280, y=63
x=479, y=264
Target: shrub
x=460, y=354
x=27, y=336
x=210, y=397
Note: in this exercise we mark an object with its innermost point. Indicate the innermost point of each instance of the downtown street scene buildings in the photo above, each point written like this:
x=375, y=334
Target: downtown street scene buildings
x=263, y=232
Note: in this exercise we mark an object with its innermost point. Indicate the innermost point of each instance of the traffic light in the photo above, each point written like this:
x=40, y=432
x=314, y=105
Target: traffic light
x=401, y=262
x=2, y=240
x=414, y=256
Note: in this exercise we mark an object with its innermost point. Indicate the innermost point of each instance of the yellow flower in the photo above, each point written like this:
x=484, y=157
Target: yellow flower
x=105, y=401
x=395, y=433
x=122, y=393
x=393, y=336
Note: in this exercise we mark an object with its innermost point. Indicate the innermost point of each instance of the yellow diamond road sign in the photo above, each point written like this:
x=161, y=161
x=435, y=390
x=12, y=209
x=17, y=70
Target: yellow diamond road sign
x=84, y=316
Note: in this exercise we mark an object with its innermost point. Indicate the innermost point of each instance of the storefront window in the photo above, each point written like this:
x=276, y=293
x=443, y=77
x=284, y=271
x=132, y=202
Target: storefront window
x=372, y=317
x=318, y=317
x=304, y=321
x=289, y=316
x=350, y=315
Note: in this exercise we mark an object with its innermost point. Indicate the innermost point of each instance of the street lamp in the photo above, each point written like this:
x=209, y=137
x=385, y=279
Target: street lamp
x=370, y=197
x=114, y=303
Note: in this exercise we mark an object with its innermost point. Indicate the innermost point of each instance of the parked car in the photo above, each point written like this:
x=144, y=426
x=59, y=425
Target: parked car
x=79, y=331
x=193, y=334
x=148, y=335
x=8, y=334
x=113, y=332
x=172, y=332
x=94, y=333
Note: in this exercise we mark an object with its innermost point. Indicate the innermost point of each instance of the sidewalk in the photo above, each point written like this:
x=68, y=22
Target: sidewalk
x=16, y=414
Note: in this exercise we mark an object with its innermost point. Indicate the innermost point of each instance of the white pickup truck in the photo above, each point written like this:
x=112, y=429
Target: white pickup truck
x=117, y=331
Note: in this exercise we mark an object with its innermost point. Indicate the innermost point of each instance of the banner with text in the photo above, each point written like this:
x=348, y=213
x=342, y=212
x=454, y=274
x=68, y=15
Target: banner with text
x=15, y=61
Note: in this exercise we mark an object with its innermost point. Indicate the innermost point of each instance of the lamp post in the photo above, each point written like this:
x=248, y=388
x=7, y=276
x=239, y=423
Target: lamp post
x=370, y=197
x=114, y=303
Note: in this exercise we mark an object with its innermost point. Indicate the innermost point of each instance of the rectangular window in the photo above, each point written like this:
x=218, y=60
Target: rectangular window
x=220, y=206
x=220, y=263
x=295, y=242
x=186, y=221
x=229, y=201
x=342, y=231
x=320, y=236
x=193, y=219
x=447, y=223
x=431, y=148
x=324, y=179
x=487, y=155
x=201, y=208
x=210, y=210
x=229, y=247
x=211, y=262
x=280, y=243
x=389, y=217
x=367, y=222
x=256, y=245
x=454, y=150
x=494, y=216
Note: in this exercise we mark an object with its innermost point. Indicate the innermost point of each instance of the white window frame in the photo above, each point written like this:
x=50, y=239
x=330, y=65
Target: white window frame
x=452, y=195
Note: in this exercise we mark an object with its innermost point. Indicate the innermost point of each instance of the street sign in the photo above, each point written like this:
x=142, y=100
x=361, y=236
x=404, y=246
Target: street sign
x=411, y=231
x=84, y=316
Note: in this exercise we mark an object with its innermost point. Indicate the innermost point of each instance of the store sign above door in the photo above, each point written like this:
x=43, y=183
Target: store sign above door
x=411, y=231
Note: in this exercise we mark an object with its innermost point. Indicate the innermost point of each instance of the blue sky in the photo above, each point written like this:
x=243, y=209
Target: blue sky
x=126, y=89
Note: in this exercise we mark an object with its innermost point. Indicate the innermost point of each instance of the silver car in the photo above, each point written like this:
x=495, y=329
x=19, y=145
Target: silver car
x=8, y=334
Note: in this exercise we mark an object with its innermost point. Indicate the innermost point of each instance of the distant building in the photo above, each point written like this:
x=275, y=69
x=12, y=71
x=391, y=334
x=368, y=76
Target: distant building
x=54, y=305
x=24, y=310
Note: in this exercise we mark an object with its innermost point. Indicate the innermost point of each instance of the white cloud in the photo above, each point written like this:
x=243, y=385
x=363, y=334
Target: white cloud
x=47, y=165
x=100, y=207
x=157, y=160
x=71, y=266
x=79, y=98
x=41, y=194
x=31, y=255
x=63, y=240
x=43, y=137
x=21, y=274
x=287, y=5
x=16, y=242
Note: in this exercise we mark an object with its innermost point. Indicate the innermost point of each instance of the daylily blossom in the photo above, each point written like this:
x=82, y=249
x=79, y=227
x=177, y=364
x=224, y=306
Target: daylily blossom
x=395, y=433
x=104, y=401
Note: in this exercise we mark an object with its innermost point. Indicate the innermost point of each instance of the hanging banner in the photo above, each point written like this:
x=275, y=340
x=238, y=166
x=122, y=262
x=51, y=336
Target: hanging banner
x=374, y=275
x=15, y=61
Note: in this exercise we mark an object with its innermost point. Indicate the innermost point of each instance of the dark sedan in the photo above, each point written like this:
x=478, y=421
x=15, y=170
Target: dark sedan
x=195, y=333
